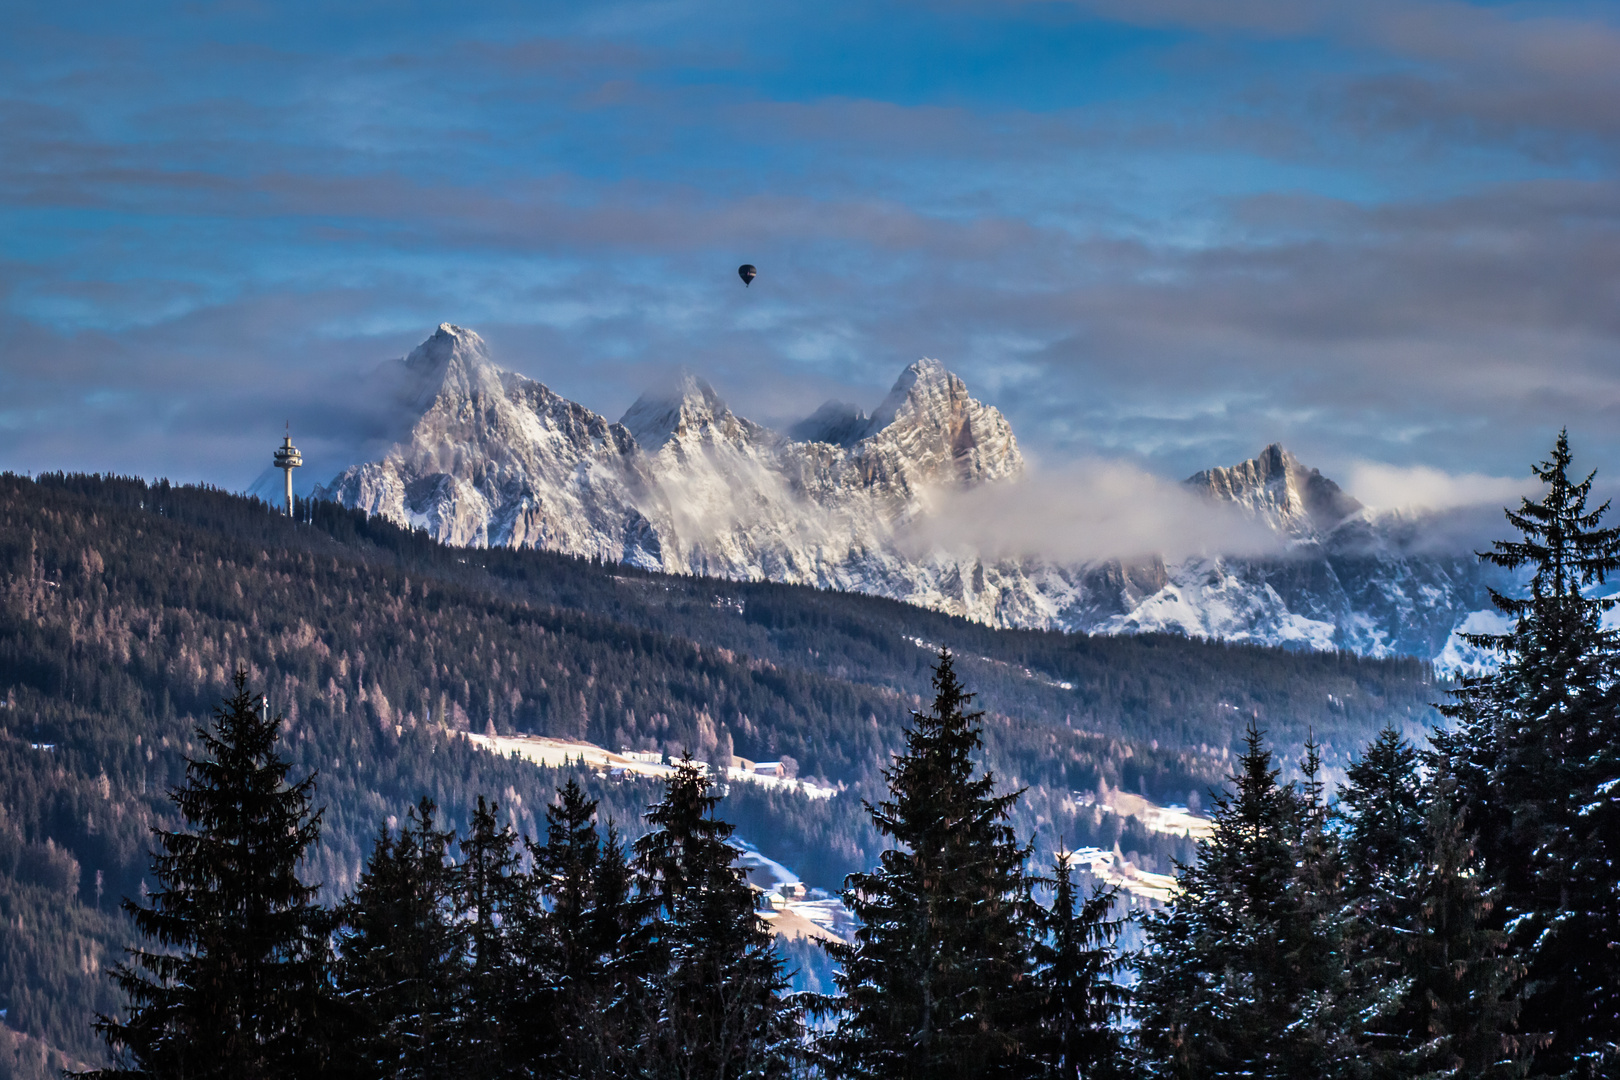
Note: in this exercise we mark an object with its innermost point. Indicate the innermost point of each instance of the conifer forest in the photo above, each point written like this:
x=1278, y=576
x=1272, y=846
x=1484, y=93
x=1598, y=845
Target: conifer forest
x=243, y=832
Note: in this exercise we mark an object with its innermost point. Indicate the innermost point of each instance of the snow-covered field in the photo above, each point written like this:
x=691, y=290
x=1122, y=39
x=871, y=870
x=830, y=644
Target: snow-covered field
x=1112, y=869
x=557, y=752
x=1170, y=820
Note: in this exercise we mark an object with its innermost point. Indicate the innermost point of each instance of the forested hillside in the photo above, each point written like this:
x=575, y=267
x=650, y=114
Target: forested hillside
x=125, y=607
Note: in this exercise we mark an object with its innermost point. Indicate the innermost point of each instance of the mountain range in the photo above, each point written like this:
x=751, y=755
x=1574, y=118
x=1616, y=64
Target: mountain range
x=842, y=500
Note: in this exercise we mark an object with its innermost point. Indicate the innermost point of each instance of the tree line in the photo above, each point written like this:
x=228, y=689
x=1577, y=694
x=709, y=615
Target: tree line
x=491, y=954
x=483, y=955
x=1453, y=911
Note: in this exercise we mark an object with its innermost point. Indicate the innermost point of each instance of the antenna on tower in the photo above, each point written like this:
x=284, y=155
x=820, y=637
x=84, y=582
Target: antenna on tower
x=287, y=458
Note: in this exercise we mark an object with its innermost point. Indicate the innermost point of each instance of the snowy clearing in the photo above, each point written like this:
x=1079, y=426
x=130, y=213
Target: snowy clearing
x=557, y=752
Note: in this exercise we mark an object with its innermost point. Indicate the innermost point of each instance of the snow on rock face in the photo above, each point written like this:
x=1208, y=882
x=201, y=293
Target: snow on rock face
x=499, y=460
x=682, y=484
x=691, y=411
x=932, y=431
x=1277, y=489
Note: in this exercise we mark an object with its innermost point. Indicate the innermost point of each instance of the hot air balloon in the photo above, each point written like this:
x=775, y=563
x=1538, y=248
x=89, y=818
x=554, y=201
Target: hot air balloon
x=747, y=272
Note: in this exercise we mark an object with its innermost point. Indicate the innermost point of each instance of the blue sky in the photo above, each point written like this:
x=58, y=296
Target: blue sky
x=1169, y=231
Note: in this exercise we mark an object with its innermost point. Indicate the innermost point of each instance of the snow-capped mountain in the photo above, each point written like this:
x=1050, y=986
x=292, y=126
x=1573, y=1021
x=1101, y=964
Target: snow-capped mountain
x=1348, y=578
x=682, y=484
x=1276, y=489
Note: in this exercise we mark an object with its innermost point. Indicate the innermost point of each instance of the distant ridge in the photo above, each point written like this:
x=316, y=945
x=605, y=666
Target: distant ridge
x=682, y=484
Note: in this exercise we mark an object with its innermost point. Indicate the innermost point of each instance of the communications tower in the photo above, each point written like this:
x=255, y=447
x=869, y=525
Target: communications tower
x=287, y=459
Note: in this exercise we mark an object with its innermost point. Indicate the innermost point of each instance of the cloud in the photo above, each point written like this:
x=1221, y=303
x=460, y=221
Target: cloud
x=1420, y=487
x=1091, y=510
x=1180, y=250
x=1475, y=71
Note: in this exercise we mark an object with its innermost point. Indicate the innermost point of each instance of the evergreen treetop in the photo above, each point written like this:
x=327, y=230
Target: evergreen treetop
x=938, y=981
x=490, y=893
x=1380, y=813
x=1248, y=974
x=568, y=864
x=685, y=840
x=721, y=1011
x=1537, y=771
x=1565, y=545
x=235, y=986
x=1078, y=969
x=1557, y=658
x=1381, y=807
x=584, y=947
x=401, y=956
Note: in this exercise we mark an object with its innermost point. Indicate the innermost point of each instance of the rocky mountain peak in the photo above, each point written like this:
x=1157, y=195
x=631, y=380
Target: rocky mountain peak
x=924, y=393
x=689, y=409
x=449, y=344
x=684, y=485
x=1275, y=486
x=930, y=419
x=452, y=359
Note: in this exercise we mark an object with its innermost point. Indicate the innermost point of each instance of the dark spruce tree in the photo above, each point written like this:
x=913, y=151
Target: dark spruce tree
x=1380, y=818
x=1382, y=810
x=1247, y=974
x=719, y=981
x=235, y=983
x=1534, y=753
x=620, y=987
x=401, y=958
x=1459, y=999
x=1081, y=1001
x=939, y=982
x=586, y=997
x=1334, y=1005
x=490, y=891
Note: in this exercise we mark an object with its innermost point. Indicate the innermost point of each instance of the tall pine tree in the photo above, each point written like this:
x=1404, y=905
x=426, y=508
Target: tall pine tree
x=1380, y=814
x=1534, y=756
x=938, y=982
x=1334, y=1005
x=238, y=979
x=1381, y=807
x=720, y=980
x=1081, y=1000
x=1426, y=937
x=1248, y=975
x=402, y=962
x=1460, y=999
x=587, y=1003
x=490, y=891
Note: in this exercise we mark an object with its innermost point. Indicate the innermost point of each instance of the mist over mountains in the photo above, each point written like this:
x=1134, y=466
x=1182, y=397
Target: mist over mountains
x=927, y=499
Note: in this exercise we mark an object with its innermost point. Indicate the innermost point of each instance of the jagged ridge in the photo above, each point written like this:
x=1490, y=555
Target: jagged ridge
x=682, y=484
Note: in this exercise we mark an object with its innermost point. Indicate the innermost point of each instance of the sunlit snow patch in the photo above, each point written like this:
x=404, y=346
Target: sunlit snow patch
x=1461, y=658
x=1113, y=870
x=554, y=753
